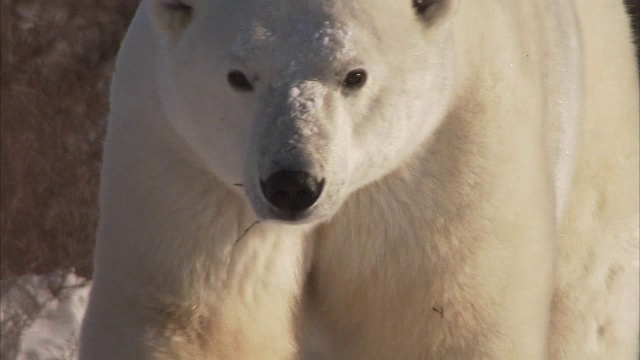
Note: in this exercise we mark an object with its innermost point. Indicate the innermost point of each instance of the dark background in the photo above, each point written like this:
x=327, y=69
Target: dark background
x=57, y=57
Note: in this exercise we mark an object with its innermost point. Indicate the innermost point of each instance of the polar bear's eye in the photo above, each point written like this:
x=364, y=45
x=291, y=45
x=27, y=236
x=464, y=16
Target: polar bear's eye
x=239, y=81
x=421, y=6
x=355, y=79
x=432, y=10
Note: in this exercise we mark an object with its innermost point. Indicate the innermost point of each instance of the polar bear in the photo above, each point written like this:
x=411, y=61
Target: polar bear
x=407, y=179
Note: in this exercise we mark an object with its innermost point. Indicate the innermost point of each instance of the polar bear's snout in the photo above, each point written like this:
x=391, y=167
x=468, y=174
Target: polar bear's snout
x=292, y=189
x=291, y=192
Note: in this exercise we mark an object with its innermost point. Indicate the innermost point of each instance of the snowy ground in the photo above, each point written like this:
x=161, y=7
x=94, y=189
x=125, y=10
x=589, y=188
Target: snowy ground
x=40, y=316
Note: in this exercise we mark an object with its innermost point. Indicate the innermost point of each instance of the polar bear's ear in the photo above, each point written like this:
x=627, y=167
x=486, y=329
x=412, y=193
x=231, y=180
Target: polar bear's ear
x=434, y=11
x=172, y=16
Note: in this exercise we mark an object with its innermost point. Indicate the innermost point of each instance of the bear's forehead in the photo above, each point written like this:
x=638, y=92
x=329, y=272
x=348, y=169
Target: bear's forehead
x=303, y=36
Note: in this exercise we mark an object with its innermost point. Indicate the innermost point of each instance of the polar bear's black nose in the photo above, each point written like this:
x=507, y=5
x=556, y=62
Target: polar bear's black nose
x=292, y=191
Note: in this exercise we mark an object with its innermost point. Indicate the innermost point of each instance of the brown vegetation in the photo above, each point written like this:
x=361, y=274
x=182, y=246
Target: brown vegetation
x=57, y=57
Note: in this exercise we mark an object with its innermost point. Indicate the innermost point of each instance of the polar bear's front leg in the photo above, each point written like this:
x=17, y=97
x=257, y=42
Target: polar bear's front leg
x=247, y=312
x=242, y=312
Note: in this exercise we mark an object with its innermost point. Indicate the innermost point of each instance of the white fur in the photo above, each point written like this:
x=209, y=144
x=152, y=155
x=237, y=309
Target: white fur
x=481, y=189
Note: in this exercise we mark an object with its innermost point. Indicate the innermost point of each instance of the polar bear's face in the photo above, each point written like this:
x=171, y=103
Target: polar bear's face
x=304, y=101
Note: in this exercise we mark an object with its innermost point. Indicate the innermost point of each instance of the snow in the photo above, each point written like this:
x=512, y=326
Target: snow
x=41, y=316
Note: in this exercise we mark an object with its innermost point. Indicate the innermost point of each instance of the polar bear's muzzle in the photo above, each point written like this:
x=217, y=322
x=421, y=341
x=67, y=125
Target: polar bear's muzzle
x=290, y=193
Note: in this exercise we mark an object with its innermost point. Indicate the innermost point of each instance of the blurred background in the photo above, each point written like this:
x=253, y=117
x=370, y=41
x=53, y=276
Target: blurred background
x=57, y=57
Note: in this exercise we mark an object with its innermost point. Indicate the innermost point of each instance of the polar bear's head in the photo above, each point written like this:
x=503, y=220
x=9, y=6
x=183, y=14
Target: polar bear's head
x=304, y=101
